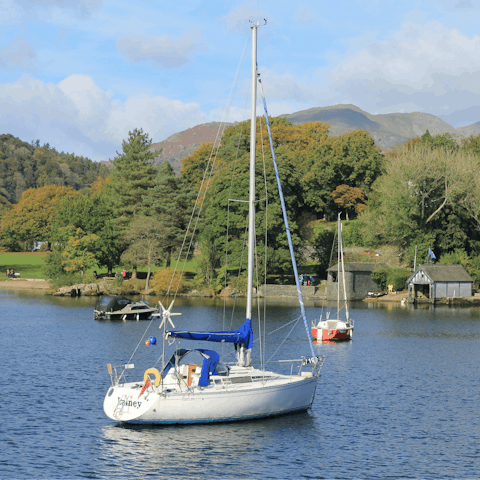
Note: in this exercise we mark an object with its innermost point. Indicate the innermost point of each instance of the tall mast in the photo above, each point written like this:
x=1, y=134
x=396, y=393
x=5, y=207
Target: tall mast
x=251, y=199
x=339, y=246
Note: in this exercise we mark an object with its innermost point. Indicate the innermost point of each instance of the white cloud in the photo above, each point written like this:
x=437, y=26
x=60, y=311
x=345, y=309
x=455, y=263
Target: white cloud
x=286, y=86
x=91, y=103
x=159, y=116
x=18, y=53
x=162, y=51
x=242, y=15
x=421, y=67
x=77, y=116
x=424, y=67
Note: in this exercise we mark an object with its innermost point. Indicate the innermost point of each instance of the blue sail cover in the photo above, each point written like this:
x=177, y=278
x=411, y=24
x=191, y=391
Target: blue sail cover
x=244, y=334
x=209, y=363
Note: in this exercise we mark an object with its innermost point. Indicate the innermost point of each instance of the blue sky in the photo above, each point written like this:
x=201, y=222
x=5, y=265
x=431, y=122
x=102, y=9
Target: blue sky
x=81, y=74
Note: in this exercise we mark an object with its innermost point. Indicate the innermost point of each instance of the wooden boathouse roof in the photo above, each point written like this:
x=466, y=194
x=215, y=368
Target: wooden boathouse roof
x=443, y=273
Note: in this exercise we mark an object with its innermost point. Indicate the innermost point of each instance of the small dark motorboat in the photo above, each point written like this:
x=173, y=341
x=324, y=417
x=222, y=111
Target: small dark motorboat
x=117, y=307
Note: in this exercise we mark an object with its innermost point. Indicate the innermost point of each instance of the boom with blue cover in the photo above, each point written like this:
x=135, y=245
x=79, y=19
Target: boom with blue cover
x=243, y=335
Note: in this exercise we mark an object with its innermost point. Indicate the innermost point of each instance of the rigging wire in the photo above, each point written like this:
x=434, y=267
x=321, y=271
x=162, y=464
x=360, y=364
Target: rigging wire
x=199, y=202
x=329, y=265
x=263, y=344
x=206, y=179
x=285, y=339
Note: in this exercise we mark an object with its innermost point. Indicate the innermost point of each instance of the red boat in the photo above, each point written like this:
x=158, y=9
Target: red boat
x=336, y=330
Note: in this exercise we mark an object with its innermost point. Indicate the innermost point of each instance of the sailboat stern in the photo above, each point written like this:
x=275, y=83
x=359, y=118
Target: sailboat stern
x=333, y=331
x=124, y=403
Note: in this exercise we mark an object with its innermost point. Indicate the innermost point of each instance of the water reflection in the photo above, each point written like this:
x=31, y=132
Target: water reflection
x=190, y=450
x=399, y=400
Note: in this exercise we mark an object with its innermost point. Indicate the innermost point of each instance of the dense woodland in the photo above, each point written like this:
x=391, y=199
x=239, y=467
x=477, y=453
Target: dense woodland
x=425, y=193
x=31, y=165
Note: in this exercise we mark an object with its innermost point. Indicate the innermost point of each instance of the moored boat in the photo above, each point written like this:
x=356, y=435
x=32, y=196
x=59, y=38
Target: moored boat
x=336, y=330
x=117, y=307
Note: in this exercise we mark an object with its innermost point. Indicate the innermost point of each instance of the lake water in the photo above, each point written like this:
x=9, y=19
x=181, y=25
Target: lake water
x=399, y=401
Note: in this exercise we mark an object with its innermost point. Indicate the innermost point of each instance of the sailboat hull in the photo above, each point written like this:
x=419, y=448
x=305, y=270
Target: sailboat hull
x=333, y=331
x=215, y=403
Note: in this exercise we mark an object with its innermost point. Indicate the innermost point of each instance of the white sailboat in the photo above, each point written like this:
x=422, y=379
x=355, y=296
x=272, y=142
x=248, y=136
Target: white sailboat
x=195, y=386
x=335, y=330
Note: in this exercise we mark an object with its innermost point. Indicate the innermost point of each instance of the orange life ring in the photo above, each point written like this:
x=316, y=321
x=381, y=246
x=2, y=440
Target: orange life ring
x=148, y=372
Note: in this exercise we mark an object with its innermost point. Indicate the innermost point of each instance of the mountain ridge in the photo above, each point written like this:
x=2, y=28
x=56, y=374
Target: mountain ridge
x=387, y=130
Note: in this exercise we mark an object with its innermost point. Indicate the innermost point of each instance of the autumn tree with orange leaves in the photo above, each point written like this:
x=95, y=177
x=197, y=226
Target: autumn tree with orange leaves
x=351, y=199
x=32, y=217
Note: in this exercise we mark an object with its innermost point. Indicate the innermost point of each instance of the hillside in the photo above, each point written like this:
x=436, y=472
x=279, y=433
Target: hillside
x=28, y=165
x=182, y=144
x=387, y=130
x=467, y=130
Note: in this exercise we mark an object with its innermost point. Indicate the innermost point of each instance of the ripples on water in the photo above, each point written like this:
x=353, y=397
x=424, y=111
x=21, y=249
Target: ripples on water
x=400, y=400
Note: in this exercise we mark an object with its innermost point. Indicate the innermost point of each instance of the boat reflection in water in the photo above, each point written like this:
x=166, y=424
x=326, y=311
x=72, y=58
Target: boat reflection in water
x=194, y=451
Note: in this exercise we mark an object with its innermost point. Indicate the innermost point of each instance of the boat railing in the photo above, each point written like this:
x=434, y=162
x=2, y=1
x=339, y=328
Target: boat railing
x=114, y=376
x=315, y=362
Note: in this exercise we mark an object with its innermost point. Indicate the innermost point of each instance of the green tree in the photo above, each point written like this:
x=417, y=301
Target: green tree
x=352, y=160
x=133, y=175
x=325, y=249
x=94, y=214
x=145, y=246
x=79, y=250
x=221, y=216
x=5, y=206
x=195, y=165
x=170, y=201
x=444, y=141
x=427, y=197
x=472, y=144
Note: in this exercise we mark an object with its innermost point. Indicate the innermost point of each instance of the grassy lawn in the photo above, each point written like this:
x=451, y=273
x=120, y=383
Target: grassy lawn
x=30, y=265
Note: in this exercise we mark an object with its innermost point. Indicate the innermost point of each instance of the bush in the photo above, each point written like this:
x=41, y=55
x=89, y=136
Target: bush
x=52, y=267
x=162, y=282
x=352, y=235
x=380, y=277
x=397, y=277
x=66, y=280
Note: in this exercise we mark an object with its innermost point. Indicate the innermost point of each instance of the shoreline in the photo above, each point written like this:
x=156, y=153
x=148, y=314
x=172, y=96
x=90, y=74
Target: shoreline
x=24, y=284
x=42, y=285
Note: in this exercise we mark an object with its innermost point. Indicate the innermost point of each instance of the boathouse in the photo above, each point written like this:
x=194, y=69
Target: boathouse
x=433, y=281
x=358, y=281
